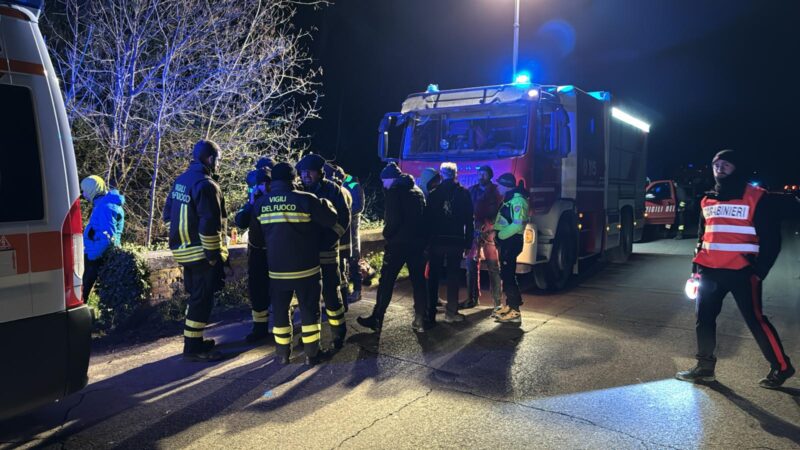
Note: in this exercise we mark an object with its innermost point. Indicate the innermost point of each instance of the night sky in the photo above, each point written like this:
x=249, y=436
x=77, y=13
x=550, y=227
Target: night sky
x=707, y=75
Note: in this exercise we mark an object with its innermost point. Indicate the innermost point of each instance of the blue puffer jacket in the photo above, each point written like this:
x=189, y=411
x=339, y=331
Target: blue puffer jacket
x=105, y=224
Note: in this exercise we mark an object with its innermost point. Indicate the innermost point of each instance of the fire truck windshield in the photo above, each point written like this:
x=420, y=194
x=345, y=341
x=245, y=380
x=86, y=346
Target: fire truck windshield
x=475, y=133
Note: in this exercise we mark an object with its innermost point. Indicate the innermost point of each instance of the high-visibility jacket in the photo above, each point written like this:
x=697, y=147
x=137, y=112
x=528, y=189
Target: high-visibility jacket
x=195, y=214
x=292, y=225
x=512, y=217
x=730, y=231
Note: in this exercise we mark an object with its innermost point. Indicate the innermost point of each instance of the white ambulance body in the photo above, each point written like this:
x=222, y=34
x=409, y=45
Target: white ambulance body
x=44, y=324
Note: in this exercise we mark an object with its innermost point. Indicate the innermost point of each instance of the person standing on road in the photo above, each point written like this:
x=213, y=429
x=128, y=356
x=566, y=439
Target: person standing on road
x=510, y=225
x=310, y=168
x=353, y=186
x=292, y=226
x=104, y=229
x=336, y=174
x=739, y=239
x=680, y=210
x=486, y=200
x=257, y=276
x=404, y=232
x=195, y=214
x=449, y=218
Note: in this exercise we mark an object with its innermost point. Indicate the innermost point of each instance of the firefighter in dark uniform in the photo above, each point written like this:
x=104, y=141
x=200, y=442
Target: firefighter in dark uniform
x=257, y=277
x=292, y=226
x=332, y=172
x=195, y=214
x=739, y=239
x=310, y=169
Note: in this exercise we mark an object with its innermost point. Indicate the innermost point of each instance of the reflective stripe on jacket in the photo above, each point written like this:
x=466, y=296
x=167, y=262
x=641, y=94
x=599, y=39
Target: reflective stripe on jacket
x=729, y=231
x=512, y=217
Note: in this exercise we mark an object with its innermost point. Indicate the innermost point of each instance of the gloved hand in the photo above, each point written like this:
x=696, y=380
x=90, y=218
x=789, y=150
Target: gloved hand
x=759, y=271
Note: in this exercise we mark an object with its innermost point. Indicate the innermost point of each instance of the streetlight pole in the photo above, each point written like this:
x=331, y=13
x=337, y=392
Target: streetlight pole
x=516, y=35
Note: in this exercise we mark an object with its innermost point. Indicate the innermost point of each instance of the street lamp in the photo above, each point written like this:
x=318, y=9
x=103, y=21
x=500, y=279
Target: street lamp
x=516, y=35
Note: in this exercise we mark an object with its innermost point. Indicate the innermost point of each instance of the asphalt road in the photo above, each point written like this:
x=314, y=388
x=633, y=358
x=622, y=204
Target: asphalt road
x=591, y=367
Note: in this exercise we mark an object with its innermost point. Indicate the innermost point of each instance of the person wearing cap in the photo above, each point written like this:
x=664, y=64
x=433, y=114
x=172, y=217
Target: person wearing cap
x=449, y=219
x=486, y=202
x=265, y=163
x=510, y=225
x=195, y=215
x=336, y=174
x=428, y=179
x=739, y=238
x=404, y=231
x=257, y=277
x=353, y=186
x=104, y=229
x=292, y=227
x=311, y=169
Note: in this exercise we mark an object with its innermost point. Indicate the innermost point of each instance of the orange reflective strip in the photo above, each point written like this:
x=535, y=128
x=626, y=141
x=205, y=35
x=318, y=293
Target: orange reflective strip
x=10, y=12
x=13, y=65
x=46, y=251
x=19, y=243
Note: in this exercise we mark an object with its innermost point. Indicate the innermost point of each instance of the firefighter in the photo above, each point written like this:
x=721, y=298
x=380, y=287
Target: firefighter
x=335, y=173
x=739, y=239
x=257, y=277
x=195, y=214
x=449, y=217
x=311, y=171
x=404, y=232
x=510, y=225
x=486, y=200
x=104, y=229
x=292, y=226
x=353, y=186
x=265, y=163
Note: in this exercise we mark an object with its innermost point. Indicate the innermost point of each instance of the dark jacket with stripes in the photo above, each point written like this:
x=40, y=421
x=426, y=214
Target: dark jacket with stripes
x=195, y=214
x=329, y=243
x=292, y=225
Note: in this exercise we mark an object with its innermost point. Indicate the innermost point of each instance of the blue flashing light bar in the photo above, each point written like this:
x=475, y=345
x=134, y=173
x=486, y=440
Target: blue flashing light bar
x=522, y=78
x=601, y=95
x=630, y=120
x=35, y=4
x=565, y=89
x=432, y=88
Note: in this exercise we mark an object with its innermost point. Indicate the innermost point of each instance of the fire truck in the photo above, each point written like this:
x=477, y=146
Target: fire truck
x=582, y=159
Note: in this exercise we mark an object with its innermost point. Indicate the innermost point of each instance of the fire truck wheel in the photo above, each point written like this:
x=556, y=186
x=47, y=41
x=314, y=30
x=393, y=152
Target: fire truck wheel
x=621, y=253
x=554, y=274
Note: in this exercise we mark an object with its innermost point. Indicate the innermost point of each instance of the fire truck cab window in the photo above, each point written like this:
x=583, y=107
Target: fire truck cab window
x=21, y=193
x=658, y=192
x=498, y=132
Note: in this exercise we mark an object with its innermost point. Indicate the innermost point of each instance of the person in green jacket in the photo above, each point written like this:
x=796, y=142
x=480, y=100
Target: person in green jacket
x=509, y=225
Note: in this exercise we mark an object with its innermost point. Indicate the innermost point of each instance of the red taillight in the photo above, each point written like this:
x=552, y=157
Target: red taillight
x=72, y=245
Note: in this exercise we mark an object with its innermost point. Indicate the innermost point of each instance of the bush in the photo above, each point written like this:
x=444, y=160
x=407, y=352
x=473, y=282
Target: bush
x=375, y=260
x=122, y=287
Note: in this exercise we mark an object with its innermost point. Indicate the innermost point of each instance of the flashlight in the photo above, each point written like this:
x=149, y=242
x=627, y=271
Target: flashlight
x=692, y=286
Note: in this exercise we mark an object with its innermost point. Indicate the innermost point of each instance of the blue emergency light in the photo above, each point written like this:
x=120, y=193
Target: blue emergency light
x=522, y=78
x=432, y=88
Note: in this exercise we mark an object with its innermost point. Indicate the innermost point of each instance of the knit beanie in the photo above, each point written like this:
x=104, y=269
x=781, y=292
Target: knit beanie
x=487, y=169
x=312, y=161
x=283, y=172
x=265, y=161
x=508, y=180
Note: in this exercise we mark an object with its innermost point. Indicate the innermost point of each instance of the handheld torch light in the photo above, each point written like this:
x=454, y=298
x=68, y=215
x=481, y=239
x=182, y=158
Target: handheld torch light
x=692, y=286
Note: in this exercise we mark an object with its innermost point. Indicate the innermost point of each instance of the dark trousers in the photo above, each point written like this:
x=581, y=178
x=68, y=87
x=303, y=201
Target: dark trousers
x=258, y=284
x=439, y=256
x=331, y=295
x=355, y=253
x=308, y=292
x=746, y=290
x=394, y=257
x=90, y=271
x=201, y=280
x=509, y=250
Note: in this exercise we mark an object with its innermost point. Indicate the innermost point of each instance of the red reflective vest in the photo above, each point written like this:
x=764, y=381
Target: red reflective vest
x=729, y=231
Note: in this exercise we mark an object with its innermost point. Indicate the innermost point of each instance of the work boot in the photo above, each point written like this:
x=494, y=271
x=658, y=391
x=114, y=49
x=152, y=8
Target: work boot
x=697, y=374
x=454, y=317
x=512, y=316
x=775, y=378
x=198, y=350
x=418, y=325
x=468, y=303
x=339, y=333
x=260, y=331
x=372, y=322
x=321, y=356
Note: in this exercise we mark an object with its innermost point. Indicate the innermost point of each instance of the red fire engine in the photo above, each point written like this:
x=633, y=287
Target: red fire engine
x=581, y=157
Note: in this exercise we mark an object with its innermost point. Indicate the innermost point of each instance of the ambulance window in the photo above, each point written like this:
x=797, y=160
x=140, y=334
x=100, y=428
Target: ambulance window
x=21, y=195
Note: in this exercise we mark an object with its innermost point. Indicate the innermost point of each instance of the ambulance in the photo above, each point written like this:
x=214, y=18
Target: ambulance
x=44, y=324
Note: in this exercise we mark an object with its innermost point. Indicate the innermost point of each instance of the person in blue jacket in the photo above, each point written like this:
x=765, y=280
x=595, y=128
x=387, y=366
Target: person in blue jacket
x=104, y=229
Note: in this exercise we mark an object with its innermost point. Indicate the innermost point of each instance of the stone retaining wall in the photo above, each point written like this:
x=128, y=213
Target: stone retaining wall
x=166, y=276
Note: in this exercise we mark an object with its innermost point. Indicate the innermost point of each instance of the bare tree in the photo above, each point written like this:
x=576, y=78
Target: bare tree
x=144, y=79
